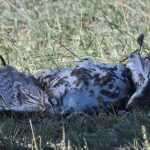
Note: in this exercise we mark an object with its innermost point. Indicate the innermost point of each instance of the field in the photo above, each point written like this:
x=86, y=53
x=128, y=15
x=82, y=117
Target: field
x=53, y=34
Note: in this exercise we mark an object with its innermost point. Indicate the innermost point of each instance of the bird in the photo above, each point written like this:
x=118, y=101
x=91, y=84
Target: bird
x=83, y=88
x=87, y=87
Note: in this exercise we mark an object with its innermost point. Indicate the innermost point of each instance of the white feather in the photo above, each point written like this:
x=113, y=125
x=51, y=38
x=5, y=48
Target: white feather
x=140, y=68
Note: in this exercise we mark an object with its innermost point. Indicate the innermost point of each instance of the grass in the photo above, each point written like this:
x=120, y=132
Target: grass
x=50, y=34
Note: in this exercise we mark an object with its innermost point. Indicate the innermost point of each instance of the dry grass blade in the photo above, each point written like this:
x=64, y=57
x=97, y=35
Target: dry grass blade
x=33, y=135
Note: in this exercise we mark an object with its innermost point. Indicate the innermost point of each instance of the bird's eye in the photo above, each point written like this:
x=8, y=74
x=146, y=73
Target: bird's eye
x=53, y=101
x=18, y=95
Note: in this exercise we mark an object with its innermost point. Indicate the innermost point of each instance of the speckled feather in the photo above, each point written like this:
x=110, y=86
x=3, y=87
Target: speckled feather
x=140, y=70
x=18, y=91
x=87, y=86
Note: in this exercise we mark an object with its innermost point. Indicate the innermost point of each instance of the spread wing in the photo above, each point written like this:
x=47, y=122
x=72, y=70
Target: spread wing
x=140, y=69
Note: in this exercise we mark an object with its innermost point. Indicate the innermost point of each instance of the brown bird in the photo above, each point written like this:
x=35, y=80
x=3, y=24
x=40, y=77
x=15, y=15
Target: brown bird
x=83, y=88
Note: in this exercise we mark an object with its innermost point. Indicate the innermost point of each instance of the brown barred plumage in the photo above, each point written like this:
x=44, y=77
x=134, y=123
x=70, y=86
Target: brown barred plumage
x=86, y=86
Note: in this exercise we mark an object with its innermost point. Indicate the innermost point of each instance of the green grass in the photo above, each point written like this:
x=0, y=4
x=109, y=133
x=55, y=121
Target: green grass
x=50, y=34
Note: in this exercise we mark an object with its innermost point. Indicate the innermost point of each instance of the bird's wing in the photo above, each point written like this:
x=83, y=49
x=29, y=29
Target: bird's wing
x=20, y=92
x=140, y=69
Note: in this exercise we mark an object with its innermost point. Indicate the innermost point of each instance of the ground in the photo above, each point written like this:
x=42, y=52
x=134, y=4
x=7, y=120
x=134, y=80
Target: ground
x=52, y=34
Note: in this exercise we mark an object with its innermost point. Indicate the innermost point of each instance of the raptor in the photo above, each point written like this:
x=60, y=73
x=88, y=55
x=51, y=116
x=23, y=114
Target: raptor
x=86, y=87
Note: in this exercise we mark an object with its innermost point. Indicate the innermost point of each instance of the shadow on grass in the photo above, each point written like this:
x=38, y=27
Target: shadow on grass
x=79, y=132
